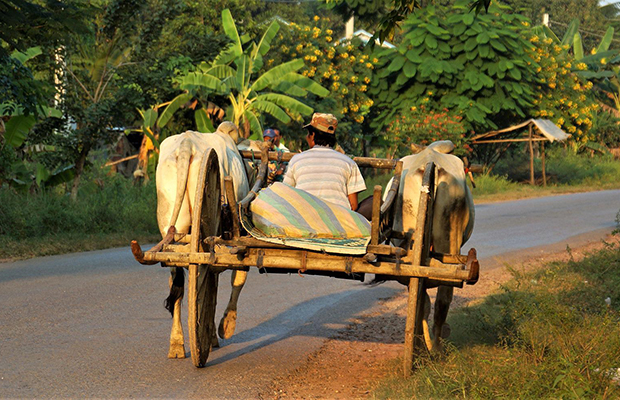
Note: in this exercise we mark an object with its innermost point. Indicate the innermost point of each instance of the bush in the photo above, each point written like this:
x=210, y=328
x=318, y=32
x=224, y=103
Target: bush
x=108, y=205
x=563, y=166
x=421, y=126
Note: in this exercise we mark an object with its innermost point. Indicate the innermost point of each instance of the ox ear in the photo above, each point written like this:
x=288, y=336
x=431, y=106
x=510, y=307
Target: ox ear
x=442, y=146
x=416, y=148
x=230, y=129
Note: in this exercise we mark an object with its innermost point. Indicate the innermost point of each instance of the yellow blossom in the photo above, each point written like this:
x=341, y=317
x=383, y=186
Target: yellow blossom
x=328, y=39
x=316, y=18
x=369, y=65
x=335, y=85
x=363, y=88
x=329, y=31
x=366, y=79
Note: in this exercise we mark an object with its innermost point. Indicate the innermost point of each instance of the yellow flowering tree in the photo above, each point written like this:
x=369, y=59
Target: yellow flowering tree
x=562, y=95
x=340, y=66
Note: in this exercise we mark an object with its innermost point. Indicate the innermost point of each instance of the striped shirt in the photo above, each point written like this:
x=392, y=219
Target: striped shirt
x=325, y=173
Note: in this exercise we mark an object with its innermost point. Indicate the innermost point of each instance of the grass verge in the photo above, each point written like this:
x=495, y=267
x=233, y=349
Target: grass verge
x=552, y=333
x=109, y=212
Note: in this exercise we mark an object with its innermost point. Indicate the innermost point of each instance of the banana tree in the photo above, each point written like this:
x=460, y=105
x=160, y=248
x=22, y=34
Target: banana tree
x=236, y=75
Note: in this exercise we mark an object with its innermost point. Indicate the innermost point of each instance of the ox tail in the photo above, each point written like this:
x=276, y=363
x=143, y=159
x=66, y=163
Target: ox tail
x=176, y=288
x=184, y=156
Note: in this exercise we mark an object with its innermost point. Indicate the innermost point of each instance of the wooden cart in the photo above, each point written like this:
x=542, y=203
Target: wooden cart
x=211, y=248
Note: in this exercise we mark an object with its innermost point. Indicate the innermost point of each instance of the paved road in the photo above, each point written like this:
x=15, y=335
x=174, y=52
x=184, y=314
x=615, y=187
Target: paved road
x=92, y=324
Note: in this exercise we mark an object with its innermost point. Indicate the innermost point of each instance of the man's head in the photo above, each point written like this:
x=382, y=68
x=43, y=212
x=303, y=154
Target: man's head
x=322, y=130
x=270, y=135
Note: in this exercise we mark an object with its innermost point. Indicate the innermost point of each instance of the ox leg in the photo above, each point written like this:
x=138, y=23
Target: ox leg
x=426, y=331
x=442, y=304
x=229, y=320
x=173, y=304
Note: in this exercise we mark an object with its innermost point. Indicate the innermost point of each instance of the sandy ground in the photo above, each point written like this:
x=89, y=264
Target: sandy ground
x=349, y=365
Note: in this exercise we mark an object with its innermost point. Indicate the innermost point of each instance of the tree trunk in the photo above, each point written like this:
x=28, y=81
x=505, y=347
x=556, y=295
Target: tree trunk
x=79, y=168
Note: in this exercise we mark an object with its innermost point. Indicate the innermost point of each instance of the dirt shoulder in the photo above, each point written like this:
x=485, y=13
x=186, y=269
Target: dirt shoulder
x=349, y=365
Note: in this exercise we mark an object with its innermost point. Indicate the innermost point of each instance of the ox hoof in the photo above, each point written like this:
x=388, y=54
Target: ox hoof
x=227, y=325
x=214, y=342
x=445, y=331
x=176, y=351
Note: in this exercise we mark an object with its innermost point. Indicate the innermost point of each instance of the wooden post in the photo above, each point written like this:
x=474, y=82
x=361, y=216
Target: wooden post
x=544, y=172
x=417, y=290
x=376, y=216
x=531, y=158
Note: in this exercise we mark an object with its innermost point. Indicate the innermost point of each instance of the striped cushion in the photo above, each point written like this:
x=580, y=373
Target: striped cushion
x=283, y=211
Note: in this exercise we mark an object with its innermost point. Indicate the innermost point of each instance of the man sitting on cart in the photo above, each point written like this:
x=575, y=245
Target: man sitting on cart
x=321, y=170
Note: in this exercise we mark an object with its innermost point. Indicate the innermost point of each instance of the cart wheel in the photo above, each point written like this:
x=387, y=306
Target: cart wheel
x=414, y=335
x=202, y=291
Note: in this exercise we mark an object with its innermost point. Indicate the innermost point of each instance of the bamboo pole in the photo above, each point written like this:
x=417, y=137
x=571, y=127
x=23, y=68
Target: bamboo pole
x=544, y=172
x=531, y=158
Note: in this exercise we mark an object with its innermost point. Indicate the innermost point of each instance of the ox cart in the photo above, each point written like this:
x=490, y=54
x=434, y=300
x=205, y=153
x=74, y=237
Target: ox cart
x=213, y=246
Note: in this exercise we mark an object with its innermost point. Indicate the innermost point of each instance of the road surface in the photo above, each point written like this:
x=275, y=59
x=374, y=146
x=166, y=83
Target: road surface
x=93, y=324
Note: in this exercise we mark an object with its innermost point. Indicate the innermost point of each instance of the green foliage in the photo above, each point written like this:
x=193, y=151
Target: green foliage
x=546, y=334
x=562, y=95
x=420, y=126
x=234, y=74
x=28, y=23
x=476, y=66
x=606, y=129
x=105, y=205
x=345, y=69
x=564, y=167
x=589, y=14
x=386, y=17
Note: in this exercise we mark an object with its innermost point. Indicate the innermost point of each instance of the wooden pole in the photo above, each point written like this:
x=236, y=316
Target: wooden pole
x=544, y=172
x=531, y=157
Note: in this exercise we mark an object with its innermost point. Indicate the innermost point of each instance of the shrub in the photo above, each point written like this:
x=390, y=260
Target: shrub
x=421, y=126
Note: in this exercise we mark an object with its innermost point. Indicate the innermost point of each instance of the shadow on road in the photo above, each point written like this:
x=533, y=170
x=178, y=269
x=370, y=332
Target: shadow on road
x=328, y=322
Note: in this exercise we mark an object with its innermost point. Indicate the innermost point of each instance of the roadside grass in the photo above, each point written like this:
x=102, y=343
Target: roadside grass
x=545, y=334
x=109, y=211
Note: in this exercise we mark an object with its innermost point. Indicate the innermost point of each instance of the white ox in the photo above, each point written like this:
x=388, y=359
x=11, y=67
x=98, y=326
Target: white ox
x=180, y=158
x=453, y=216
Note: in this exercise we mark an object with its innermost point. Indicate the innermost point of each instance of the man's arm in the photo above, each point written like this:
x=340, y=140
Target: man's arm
x=353, y=201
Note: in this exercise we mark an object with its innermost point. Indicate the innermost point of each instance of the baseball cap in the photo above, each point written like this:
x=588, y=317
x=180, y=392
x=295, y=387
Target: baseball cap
x=269, y=133
x=323, y=122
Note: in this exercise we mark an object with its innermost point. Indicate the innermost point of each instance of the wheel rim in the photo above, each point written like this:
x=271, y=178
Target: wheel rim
x=202, y=291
